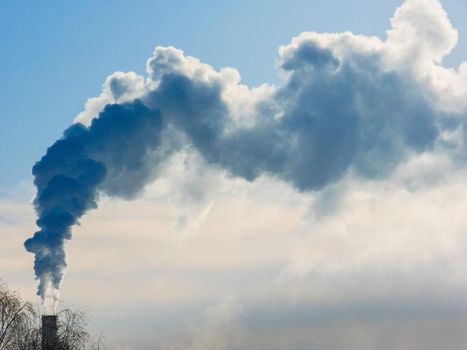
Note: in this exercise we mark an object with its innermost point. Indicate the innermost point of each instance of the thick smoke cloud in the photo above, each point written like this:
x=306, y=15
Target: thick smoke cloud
x=349, y=105
x=115, y=149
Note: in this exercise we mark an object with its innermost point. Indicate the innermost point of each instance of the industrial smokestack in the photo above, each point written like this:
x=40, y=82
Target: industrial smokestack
x=49, y=332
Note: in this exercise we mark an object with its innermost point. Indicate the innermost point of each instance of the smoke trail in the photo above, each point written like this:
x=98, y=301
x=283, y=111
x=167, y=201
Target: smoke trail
x=349, y=104
x=68, y=178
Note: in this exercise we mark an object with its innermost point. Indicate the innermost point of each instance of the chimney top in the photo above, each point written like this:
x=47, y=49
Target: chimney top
x=49, y=332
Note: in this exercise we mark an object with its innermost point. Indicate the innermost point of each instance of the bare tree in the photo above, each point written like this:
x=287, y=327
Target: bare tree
x=98, y=343
x=20, y=327
x=17, y=319
x=72, y=334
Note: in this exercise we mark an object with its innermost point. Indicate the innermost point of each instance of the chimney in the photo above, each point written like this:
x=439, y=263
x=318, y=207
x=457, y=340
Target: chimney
x=49, y=332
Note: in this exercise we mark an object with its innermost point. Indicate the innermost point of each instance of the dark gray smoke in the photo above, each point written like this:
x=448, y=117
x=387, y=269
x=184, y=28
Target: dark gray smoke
x=115, y=148
x=334, y=115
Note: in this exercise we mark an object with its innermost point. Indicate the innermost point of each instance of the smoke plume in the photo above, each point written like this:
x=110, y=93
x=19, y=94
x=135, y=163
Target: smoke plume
x=115, y=148
x=349, y=105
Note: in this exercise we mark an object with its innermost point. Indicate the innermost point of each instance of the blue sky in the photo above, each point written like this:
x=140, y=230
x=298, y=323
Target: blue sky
x=56, y=55
x=320, y=205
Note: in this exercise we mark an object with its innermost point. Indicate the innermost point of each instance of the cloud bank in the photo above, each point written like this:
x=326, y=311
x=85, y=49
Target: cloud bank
x=350, y=106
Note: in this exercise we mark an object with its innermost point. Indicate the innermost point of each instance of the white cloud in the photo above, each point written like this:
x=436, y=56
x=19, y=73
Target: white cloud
x=118, y=87
x=217, y=329
x=421, y=33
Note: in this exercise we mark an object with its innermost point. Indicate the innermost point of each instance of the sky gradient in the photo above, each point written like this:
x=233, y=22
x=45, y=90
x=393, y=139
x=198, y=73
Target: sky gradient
x=321, y=205
x=68, y=50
